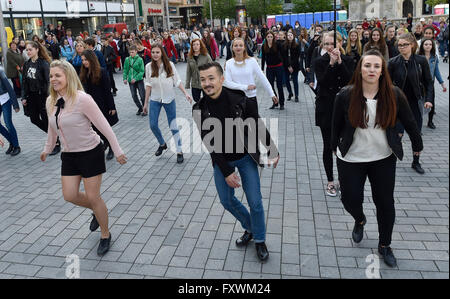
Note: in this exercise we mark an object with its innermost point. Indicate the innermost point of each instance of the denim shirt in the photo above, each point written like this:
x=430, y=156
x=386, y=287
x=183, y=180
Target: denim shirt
x=434, y=69
x=5, y=87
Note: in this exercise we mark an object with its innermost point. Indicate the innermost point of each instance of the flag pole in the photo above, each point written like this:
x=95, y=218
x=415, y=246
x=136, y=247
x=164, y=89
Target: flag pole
x=335, y=24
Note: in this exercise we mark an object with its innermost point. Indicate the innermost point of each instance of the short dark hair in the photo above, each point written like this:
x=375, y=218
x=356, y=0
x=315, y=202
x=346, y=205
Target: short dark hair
x=90, y=42
x=209, y=65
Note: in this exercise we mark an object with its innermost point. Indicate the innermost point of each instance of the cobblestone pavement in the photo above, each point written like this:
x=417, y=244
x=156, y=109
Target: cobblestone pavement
x=167, y=222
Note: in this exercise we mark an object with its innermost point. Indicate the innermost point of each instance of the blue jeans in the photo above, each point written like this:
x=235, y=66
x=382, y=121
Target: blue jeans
x=442, y=48
x=254, y=221
x=171, y=112
x=9, y=132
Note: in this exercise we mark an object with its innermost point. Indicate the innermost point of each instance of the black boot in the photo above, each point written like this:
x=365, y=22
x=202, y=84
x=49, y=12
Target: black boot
x=358, y=231
x=10, y=149
x=15, y=151
x=243, y=241
x=160, y=149
x=388, y=256
x=416, y=165
x=104, y=245
x=261, y=251
x=430, y=122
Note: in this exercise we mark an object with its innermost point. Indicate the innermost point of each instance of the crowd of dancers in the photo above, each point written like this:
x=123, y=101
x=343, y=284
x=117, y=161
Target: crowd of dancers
x=371, y=83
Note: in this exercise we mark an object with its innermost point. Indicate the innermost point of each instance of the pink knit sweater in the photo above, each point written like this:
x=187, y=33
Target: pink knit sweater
x=75, y=127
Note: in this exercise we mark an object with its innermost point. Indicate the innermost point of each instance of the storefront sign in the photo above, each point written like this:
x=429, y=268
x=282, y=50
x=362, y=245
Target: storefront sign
x=154, y=11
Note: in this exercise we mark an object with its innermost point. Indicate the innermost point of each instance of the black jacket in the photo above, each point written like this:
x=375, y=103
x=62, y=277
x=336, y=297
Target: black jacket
x=101, y=93
x=342, y=131
x=331, y=79
x=272, y=57
x=293, y=60
x=36, y=78
x=423, y=86
x=240, y=107
x=393, y=51
x=110, y=56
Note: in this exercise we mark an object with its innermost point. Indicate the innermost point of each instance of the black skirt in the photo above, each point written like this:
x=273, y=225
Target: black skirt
x=86, y=164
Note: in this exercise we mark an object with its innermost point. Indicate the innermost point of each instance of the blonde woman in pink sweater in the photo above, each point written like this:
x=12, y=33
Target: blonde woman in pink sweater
x=71, y=114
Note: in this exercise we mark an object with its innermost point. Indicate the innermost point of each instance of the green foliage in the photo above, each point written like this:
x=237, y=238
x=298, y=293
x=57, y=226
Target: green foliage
x=433, y=3
x=259, y=8
x=304, y=6
x=221, y=9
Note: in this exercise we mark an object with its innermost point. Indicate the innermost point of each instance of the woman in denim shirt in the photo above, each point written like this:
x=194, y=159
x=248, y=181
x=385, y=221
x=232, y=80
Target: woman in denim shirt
x=7, y=100
x=76, y=61
x=67, y=51
x=428, y=49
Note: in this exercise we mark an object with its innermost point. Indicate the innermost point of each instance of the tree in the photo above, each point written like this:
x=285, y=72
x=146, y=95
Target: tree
x=221, y=9
x=433, y=3
x=257, y=8
x=304, y=6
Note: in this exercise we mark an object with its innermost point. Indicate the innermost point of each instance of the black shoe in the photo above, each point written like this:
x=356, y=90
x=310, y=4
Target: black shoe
x=261, y=251
x=10, y=149
x=431, y=125
x=160, y=149
x=289, y=97
x=56, y=150
x=281, y=107
x=180, y=158
x=104, y=245
x=358, y=231
x=15, y=151
x=114, y=94
x=94, y=223
x=418, y=168
x=243, y=241
x=144, y=114
x=139, y=111
x=273, y=106
x=388, y=256
x=110, y=154
x=296, y=99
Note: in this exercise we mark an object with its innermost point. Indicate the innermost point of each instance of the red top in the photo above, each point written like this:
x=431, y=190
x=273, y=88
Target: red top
x=170, y=48
x=146, y=43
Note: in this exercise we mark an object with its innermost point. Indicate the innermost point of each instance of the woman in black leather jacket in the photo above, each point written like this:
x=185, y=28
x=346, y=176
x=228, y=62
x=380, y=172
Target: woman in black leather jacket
x=411, y=73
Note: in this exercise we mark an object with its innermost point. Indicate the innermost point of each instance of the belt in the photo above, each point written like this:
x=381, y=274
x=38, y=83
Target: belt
x=274, y=66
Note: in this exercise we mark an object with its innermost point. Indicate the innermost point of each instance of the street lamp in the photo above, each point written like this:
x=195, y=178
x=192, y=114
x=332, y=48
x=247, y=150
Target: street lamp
x=210, y=14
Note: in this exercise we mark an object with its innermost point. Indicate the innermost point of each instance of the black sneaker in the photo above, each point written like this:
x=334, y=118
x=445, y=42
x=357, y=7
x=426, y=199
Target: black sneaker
x=10, y=149
x=56, y=150
x=290, y=97
x=388, y=256
x=139, y=111
x=281, y=107
x=358, y=231
x=160, y=149
x=94, y=223
x=15, y=151
x=261, y=251
x=296, y=99
x=243, y=241
x=431, y=125
x=418, y=168
x=180, y=158
x=273, y=106
x=104, y=245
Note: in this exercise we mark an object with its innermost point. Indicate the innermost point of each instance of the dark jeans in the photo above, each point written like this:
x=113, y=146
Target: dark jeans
x=417, y=116
x=276, y=73
x=17, y=87
x=222, y=46
x=37, y=111
x=302, y=63
x=134, y=88
x=294, y=77
x=327, y=154
x=197, y=94
x=10, y=131
x=110, y=69
x=381, y=174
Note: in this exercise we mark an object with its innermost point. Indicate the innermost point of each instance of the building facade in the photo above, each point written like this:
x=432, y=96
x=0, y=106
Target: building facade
x=29, y=17
x=391, y=9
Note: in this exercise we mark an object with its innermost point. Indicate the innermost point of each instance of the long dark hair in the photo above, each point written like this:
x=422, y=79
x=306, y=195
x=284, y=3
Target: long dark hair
x=93, y=73
x=381, y=44
x=386, y=101
x=274, y=43
x=433, y=47
x=165, y=61
x=290, y=44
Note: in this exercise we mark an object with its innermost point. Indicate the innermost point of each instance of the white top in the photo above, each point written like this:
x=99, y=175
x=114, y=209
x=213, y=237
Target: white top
x=369, y=144
x=239, y=75
x=163, y=88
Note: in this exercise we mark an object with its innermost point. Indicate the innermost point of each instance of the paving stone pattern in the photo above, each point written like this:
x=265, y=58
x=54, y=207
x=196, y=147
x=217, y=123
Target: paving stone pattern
x=166, y=219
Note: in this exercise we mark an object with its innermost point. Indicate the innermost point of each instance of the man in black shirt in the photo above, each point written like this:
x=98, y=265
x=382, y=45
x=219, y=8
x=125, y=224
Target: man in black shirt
x=233, y=142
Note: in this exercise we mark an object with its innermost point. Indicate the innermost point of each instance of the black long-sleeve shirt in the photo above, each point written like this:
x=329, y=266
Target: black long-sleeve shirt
x=272, y=56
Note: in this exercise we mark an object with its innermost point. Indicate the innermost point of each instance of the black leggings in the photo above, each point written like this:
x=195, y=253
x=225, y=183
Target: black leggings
x=327, y=155
x=381, y=174
x=37, y=111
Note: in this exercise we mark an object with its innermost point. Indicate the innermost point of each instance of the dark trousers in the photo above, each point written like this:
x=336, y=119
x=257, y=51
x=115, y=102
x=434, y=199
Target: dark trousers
x=17, y=87
x=327, y=154
x=196, y=94
x=138, y=86
x=381, y=174
x=294, y=77
x=276, y=73
x=37, y=111
x=302, y=63
x=110, y=69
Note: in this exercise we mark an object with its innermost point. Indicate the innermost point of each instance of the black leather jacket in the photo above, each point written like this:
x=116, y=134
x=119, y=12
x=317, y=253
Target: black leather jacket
x=423, y=86
x=342, y=131
x=241, y=107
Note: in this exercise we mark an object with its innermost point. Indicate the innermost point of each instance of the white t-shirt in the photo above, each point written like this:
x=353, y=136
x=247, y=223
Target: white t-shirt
x=369, y=144
x=239, y=75
x=163, y=88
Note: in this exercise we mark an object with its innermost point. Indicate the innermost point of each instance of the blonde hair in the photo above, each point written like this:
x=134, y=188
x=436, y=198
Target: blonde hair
x=339, y=40
x=73, y=85
x=245, y=47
